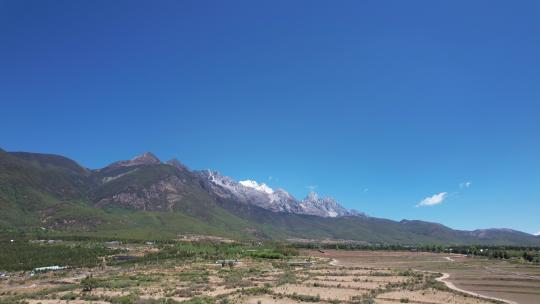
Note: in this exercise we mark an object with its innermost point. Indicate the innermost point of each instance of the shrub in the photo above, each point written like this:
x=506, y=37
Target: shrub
x=123, y=299
x=267, y=254
x=89, y=297
x=257, y=291
x=363, y=299
x=200, y=300
x=89, y=283
x=305, y=298
x=287, y=277
x=69, y=296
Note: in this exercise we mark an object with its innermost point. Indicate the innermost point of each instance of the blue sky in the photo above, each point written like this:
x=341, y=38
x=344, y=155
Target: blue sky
x=380, y=104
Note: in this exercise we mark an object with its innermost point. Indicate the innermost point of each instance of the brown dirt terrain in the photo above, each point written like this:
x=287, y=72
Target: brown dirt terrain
x=513, y=282
x=334, y=277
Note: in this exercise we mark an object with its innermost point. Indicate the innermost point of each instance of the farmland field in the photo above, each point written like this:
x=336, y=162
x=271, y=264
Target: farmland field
x=218, y=272
x=513, y=282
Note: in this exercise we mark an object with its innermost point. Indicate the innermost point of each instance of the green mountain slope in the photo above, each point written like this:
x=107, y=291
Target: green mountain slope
x=44, y=191
x=146, y=199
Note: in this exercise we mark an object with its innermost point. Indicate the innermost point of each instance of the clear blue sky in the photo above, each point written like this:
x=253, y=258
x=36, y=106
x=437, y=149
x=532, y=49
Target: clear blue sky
x=380, y=104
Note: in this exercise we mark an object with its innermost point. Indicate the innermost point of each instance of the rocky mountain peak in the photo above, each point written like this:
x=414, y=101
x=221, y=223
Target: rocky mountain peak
x=279, y=200
x=146, y=158
x=216, y=178
x=325, y=206
x=282, y=192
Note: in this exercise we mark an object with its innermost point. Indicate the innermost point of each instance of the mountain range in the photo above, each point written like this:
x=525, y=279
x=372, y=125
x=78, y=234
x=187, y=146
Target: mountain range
x=145, y=198
x=251, y=192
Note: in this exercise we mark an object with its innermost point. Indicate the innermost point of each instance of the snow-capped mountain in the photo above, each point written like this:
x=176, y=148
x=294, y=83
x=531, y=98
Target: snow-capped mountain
x=324, y=206
x=253, y=184
x=250, y=192
x=245, y=191
x=279, y=200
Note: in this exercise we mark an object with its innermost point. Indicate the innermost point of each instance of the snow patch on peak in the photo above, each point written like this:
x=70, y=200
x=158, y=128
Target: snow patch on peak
x=324, y=206
x=218, y=179
x=260, y=187
x=279, y=200
x=332, y=213
x=312, y=196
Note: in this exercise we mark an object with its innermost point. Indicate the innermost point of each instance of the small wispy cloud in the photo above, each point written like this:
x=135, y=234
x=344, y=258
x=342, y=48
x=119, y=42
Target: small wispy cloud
x=366, y=190
x=432, y=200
x=465, y=184
x=312, y=187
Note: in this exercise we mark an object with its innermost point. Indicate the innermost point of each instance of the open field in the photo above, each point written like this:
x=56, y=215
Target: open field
x=514, y=282
x=187, y=272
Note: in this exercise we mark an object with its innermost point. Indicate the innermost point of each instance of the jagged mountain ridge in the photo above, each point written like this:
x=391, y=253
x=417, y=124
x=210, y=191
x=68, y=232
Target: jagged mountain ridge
x=246, y=191
x=144, y=198
x=279, y=200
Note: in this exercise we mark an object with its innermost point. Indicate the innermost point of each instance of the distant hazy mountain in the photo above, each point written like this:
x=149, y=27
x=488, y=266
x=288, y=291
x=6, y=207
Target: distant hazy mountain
x=145, y=198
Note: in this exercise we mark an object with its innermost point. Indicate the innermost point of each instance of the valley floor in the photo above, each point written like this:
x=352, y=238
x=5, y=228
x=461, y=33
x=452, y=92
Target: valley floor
x=325, y=277
x=495, y=279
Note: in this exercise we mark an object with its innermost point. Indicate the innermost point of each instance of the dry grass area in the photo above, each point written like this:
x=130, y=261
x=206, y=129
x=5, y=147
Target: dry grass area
x=432, y=296
x=356, y=277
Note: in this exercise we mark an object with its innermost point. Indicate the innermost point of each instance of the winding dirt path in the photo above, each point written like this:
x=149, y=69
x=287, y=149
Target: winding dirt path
x=334, y=262
x=443, y=279
x=451, y=285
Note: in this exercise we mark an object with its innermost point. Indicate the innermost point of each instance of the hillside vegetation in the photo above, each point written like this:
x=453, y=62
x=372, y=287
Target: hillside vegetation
x=51, y=195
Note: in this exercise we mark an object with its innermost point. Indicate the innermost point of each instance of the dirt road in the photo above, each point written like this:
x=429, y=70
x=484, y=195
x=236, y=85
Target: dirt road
x=454, y=287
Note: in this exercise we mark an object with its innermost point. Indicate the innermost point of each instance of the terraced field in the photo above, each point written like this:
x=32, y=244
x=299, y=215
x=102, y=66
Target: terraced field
x=305, y=278
x=511, y=282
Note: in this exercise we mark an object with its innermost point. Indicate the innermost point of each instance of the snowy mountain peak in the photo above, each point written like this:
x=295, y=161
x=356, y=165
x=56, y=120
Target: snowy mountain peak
x=326, y=206
x=282, y=192
x=312, y=196
x=260, y=187
x=259, y=194
x=216, y=178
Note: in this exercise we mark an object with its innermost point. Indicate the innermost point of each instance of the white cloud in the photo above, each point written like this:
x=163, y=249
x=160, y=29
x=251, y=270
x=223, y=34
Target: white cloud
x=537, y=234
x=433, y=200
x=465, y=184
x=312, y=187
